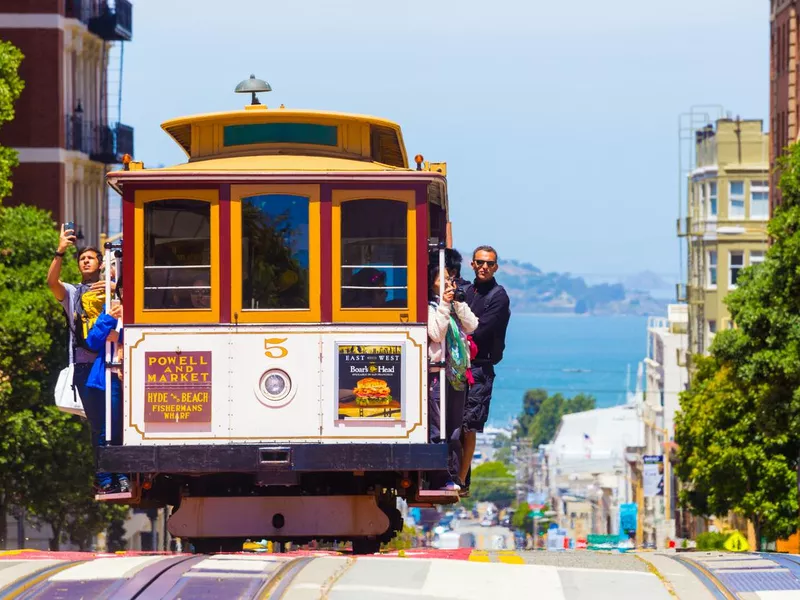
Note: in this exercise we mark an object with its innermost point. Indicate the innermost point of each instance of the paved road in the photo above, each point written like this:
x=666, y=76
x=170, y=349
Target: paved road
x=462, y=574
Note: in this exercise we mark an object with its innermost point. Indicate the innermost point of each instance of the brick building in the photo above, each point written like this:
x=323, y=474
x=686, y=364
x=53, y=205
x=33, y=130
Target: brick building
x=67, y=128
x=783, y=84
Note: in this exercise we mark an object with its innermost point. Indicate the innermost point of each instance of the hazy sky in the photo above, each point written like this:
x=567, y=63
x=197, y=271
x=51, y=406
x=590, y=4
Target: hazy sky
x=558, y=120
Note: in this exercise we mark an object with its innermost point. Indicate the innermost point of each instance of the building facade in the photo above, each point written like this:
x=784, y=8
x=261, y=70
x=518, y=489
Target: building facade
x=666, y=376
x=784, y=100
x=67, y=130
x=727, y=212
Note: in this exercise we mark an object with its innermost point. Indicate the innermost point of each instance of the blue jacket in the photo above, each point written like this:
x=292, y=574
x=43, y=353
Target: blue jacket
x=96, y=340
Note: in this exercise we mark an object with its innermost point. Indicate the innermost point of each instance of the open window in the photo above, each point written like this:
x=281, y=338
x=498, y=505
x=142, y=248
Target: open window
x=374, y=256
x=275, y=253
x=177, y=259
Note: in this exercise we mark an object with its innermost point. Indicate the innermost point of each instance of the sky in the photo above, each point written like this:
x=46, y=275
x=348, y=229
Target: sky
x=558, y=120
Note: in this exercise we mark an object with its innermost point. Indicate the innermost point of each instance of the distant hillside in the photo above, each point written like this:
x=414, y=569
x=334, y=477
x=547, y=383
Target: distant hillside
x=532, y=290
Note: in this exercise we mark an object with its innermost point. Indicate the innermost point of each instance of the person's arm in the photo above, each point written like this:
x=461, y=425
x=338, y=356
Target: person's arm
x=438, y=321
x=469, y=322
x=65, y=240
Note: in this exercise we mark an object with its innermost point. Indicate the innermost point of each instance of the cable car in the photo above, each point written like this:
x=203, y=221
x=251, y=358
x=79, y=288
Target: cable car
x=275, y=343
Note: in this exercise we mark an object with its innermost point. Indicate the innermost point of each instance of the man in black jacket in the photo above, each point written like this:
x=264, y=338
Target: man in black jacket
x=489, y=301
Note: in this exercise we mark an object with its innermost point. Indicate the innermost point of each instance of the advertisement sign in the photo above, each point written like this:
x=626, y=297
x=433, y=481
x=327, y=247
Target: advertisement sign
x=370, y=381
x=653, y=475
x=177, y=387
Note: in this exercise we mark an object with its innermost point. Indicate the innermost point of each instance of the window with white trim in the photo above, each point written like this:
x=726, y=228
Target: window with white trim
x=759, y=200
x=712, y=200
x=736, y=200
x=756, y=257
x=712, y=269
x=736, y=264
x=712, y=326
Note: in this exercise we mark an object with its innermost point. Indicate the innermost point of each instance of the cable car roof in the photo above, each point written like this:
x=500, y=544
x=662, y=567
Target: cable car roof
x=258, y=130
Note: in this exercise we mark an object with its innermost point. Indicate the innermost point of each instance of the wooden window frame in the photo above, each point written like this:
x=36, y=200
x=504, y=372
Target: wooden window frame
x=374, y=315
x=313, y=313
x=177, y=315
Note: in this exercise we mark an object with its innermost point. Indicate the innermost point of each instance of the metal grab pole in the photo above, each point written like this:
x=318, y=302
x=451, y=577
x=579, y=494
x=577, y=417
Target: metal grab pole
x=107, y=261
x=442, y=372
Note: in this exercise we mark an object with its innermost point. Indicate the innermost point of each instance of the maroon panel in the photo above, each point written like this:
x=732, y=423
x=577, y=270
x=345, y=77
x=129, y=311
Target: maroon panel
x=33, y=6
x=422, y=252
x=129, y=260
x=326, y=253
x=39, y=119
x=39, y=184
x=225, y=253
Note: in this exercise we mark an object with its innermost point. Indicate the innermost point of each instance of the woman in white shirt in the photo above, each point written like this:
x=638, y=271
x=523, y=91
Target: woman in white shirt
x=447, y=315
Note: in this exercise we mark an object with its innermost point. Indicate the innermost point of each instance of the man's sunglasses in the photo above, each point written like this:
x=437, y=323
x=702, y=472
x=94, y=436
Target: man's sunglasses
x=489, y=263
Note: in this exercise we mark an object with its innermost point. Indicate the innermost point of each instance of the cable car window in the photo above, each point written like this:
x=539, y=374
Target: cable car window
x=275, y=253
x=374, y=254
x=177, y=255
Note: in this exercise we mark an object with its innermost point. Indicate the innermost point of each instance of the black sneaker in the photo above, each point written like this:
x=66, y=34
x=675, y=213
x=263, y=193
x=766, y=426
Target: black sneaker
x=123, y=484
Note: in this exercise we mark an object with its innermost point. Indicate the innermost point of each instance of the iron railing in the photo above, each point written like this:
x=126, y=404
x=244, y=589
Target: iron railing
x=103, y=143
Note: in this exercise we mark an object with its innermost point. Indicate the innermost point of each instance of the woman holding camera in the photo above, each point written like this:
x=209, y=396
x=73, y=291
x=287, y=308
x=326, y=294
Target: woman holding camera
x=449, y=322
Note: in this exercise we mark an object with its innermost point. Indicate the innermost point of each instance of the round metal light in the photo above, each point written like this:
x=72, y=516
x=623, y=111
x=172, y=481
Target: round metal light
x=253, y=86
x=275, y=385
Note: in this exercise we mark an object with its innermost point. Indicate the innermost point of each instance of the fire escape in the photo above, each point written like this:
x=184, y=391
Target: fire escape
x=108, y=140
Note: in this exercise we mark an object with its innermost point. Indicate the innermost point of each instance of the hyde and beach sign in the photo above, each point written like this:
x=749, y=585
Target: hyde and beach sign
x=177, y=387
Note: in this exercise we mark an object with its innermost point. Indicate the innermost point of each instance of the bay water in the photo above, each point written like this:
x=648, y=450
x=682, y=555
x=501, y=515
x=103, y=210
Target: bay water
x=569, y=354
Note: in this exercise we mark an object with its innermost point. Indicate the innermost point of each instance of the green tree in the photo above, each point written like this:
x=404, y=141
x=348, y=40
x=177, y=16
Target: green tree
x=764, y=349
x=11, y=86
x=727, y=460
x=531, y=403
x=546, y=421
x=492, y=482
x=521, y=519
x=46, y=460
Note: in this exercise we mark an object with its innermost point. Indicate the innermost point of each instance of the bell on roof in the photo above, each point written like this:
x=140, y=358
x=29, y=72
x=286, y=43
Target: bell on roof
x=253, y=86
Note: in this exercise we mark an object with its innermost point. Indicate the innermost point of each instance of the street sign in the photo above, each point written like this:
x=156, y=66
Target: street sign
x=736, y=542
x=653, y=475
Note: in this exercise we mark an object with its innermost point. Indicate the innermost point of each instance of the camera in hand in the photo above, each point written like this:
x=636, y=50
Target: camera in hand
x=460, y=295
x=69, y=225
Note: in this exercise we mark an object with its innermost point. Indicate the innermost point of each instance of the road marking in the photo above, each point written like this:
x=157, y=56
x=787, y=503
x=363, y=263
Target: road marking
x=652, y=569
x=510, y=558
x=15, y=552
x=479, y=556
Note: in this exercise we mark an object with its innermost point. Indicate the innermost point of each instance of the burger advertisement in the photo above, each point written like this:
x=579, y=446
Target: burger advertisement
x=370, y=381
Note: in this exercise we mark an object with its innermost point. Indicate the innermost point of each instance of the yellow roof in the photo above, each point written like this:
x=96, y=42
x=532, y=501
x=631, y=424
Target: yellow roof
x=205, y=136
x=277, y=162
x=274, y=113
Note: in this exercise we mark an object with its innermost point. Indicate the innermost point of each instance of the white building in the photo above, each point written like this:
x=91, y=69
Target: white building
x=589, y=470
x=665, y=364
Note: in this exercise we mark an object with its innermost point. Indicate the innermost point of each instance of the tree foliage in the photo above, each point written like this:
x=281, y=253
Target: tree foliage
x=544, y=423
x=739, y=433
x=492, y=482
x=46, y=460
x=11, y=86
x=728, y=459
